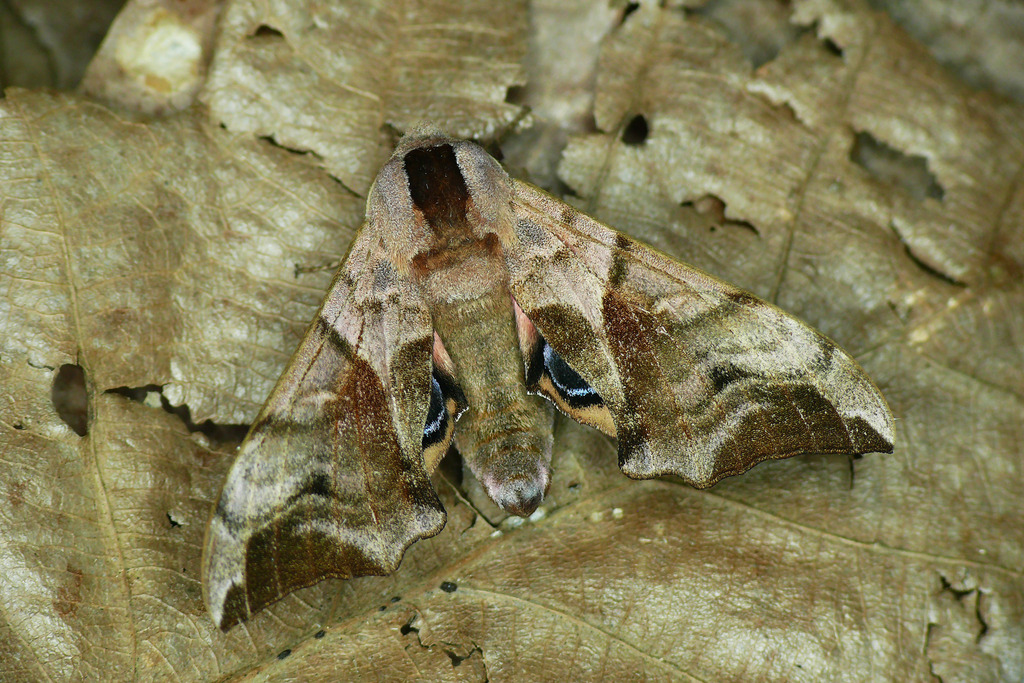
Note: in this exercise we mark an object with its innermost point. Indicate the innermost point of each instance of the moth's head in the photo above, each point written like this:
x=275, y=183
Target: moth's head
x=434, y=191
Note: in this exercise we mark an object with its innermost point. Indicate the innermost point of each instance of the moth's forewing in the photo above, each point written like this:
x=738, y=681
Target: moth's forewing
x=702, y=380
x=330, y=480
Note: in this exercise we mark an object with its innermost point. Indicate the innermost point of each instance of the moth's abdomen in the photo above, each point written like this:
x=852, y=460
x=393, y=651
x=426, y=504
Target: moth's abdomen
x=505, y=434
x=508, y=447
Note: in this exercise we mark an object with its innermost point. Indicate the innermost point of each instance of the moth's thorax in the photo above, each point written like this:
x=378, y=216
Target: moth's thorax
x=438, y=200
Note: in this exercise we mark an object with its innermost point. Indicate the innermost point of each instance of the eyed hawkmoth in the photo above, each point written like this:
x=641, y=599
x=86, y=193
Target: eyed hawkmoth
x=465, y=292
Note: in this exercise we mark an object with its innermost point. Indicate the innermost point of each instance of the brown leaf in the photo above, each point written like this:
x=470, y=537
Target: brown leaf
x=154, y=57
x=849, y=178
x=326, y=80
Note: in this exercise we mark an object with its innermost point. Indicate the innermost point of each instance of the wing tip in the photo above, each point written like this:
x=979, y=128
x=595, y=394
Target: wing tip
x=871, y=437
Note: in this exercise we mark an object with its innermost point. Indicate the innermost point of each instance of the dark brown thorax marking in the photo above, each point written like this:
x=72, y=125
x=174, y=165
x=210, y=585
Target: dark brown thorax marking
x=444, y=254
x=436, y=185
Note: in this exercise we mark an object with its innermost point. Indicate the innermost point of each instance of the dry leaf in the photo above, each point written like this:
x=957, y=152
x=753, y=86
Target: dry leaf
x=849, y=178
x=326, y=79
x=153, y=59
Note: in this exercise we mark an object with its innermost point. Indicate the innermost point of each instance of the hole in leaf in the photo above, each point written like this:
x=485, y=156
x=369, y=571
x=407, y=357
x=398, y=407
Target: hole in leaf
x=709, y=210
x=320, y=634
x=929, y=634
x=636, y=131
x=926, y=267
x=961, y=595
x=833, y=47
x=292, y=150
x=264, y=31
x=174, y=523
x=152, y=395
x=408, y=627
x=516, y=94
x=449, y=587
x=458, y=659
x=70, y=398
x=629, y=9
x=895, y=168
x=283, y=654
x=958, y=593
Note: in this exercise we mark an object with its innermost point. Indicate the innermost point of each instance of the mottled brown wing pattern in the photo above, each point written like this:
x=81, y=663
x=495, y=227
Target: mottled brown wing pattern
x=701, y=379
x=330, y=480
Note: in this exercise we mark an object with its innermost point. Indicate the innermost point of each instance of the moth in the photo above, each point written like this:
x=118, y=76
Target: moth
x=465, y=293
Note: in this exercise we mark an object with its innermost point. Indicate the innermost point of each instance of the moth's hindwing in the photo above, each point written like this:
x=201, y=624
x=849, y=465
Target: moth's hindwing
x=447, y=402
x=549, y=375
